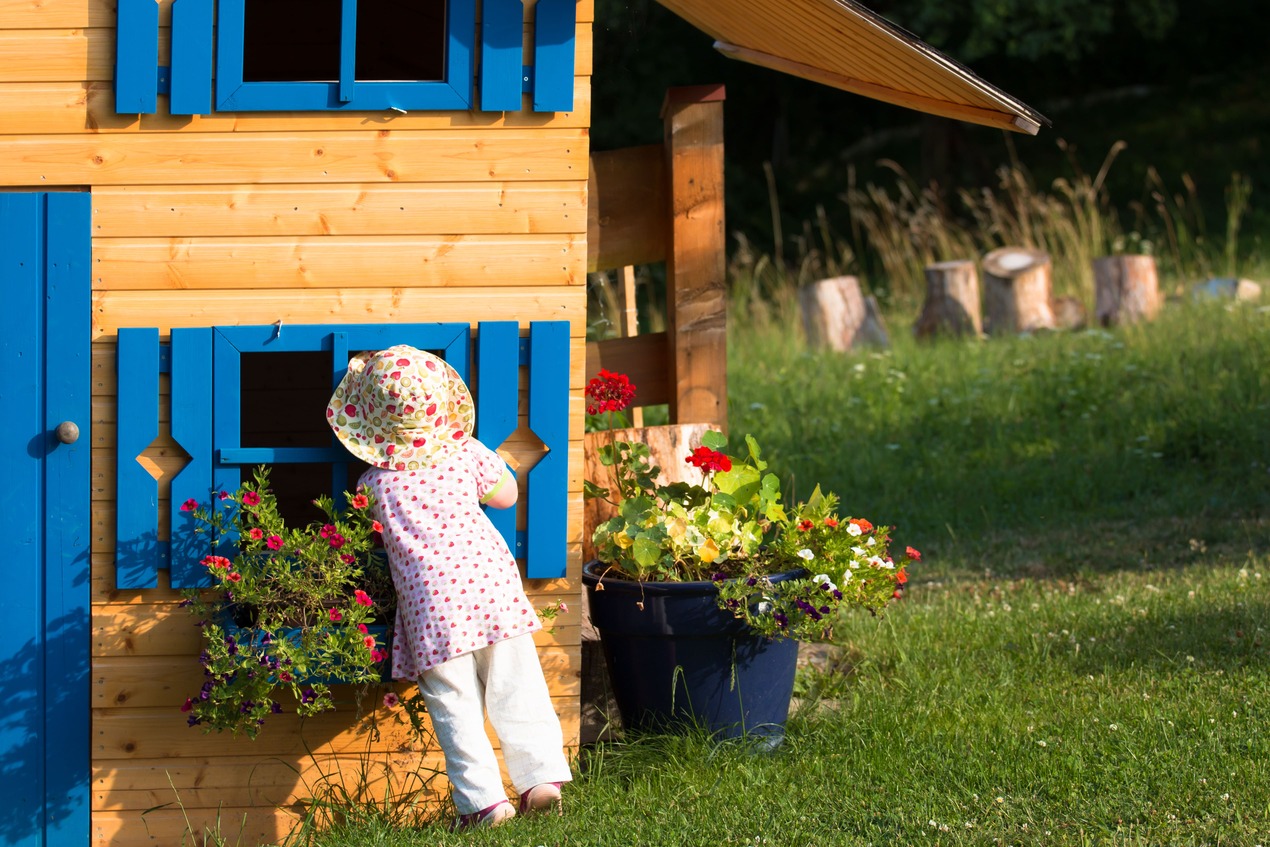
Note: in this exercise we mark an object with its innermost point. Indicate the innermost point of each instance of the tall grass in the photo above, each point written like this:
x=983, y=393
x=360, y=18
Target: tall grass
x=895, y=230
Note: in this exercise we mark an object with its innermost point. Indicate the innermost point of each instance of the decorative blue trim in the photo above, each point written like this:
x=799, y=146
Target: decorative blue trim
x=191, y=393
x=555, y=30
x=548, y=483
x=136, y=492
x=191, y=87
x=348, y=50
x=454, y=92
x=45, y=379
x=497, y=395
x=502, y=55
x=137, y=57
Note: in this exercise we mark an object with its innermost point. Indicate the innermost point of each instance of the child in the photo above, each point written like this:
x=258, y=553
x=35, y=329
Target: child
x=464, y=625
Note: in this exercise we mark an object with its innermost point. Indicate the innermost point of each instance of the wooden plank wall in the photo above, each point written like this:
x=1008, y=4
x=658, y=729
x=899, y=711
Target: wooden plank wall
x=240, y=218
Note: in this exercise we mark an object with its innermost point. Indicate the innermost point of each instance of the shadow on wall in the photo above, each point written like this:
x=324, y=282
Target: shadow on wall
x=48, y=777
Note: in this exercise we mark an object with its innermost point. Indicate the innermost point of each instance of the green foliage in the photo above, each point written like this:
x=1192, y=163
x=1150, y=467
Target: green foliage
x=289, y=611
x=956, y=440
x=1032, y=29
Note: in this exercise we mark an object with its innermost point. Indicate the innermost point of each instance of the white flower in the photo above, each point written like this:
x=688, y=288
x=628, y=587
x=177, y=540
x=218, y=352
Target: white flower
x=860, y=551
x=806, y=554
x=764, y=607
x=879, y=562
x=868, y=542
x=846, y=575
x=820, y=577
x=854, y=529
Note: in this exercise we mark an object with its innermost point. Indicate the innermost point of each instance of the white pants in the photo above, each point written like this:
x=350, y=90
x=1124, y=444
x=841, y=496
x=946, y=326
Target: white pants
x=505, y=681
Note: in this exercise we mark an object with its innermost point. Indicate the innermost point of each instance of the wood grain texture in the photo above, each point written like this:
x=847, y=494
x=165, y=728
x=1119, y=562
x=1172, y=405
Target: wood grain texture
x=272, y=158
x=307, y=262
x=171, y=308
x=472, y=208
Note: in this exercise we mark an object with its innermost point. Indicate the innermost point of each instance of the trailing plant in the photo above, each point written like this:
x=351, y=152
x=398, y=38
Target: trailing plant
x=289, y=613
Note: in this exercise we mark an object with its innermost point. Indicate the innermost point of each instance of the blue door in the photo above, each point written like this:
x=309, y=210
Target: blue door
x=45, y=382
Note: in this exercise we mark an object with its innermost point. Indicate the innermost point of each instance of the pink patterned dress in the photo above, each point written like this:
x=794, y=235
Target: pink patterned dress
x=458, y=586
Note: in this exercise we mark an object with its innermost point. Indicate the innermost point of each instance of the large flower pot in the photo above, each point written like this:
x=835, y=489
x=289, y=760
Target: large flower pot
x=674, y=658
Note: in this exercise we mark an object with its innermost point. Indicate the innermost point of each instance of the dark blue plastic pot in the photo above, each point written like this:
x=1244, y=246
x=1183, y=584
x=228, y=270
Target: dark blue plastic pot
x=681, y=659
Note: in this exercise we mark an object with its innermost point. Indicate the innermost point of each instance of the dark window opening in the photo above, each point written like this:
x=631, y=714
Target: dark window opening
x=400, y=41
x=291, y=41
x=284, y=397
x=299, y=40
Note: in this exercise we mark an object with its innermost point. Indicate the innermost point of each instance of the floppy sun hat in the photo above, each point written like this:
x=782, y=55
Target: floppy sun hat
x=401, y=408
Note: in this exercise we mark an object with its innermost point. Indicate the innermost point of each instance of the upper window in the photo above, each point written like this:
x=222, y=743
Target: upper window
x=344, y=54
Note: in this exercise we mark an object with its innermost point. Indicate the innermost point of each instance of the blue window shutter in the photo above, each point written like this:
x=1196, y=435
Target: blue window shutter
x=502, y=55
x=548, y=484
x=137, y=57
x=192, y=429
x=555, y=29
x=137, y=556
x=191, y=57
x=497, y=395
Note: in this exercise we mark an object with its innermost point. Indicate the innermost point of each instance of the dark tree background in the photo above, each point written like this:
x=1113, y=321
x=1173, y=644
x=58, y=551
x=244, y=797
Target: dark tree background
x=1182, y=83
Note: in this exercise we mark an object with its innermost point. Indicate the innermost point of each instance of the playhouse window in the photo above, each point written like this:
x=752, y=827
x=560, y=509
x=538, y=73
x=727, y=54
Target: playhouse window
x=344, y=54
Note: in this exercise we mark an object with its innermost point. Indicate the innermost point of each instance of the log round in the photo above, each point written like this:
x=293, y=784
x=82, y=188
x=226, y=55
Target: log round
x=1016, y=291
x=952, y=300
x=1126, y=289
x=838, y=315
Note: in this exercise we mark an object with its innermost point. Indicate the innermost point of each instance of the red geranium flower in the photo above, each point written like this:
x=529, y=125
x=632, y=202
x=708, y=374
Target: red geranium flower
x=709, y=460
x=609, y=392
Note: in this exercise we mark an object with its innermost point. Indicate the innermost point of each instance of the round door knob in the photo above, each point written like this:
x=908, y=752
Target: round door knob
x=67, y=432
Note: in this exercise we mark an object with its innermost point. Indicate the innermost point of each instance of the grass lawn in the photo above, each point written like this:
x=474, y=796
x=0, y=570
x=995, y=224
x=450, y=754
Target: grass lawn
x=1084, y=656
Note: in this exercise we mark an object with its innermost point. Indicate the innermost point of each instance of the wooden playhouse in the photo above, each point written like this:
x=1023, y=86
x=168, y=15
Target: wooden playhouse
x=196, y=194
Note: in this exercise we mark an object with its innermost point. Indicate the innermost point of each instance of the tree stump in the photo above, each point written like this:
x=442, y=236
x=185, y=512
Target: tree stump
x=952, y=300
x=838, y=315
x=1069, y=313
x=1126, y=289
x=1016, y=291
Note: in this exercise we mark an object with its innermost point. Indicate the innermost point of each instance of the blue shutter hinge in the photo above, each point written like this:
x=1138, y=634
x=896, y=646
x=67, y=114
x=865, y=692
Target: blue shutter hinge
x=165, y=80
x=526, y=78
x=523, y=352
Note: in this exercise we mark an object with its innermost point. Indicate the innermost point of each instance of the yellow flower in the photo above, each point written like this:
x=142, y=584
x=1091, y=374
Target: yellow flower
x=623, y=540
x=708, y=552
x=676, y=527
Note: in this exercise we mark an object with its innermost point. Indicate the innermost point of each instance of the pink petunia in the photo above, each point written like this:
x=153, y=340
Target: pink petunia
x=335, y=615
x=362, y=597
x=336, y=541
x=274, y=542
x=360, y=501
x=377, y=526
x=391, y=700
x=251, y=498
x=369, y=641
x=256, y=533
x=189, y=505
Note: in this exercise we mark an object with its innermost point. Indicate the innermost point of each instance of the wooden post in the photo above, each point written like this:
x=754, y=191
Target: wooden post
x=696, y=262
x=1126, y=289
x=837, y=315
x=952, y=300
x=1016, y=291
